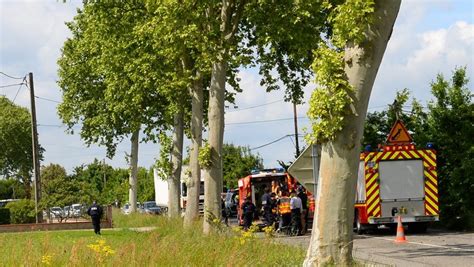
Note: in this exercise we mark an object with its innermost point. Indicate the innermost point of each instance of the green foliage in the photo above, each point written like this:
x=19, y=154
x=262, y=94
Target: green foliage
x=204, y=157
x=163, y=164
x=15, y=137
x=451, y=128
x=22, y=211
x=4, y=216
x=11, y=189
x=58, y=190
x=238, y=161
x=378, y=124
x=330, y=102
x=349, y=21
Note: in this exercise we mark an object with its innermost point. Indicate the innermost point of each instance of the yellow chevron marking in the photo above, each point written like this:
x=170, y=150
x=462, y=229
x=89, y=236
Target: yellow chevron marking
x=408, y=156
x=369, y=210
x=432, y=179
x=377, y=210
x=431, y=196
x=377, y=156
x=372, y=178
x=433, y=188
x=431, y=202
x=387, y=155
x=414, y=154
x=372, y=188
x=395, y=155
x=428, y=159
x=374, y=196
x=431, y=211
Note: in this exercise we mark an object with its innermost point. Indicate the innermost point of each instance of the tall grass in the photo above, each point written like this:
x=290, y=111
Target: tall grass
x=168, y=245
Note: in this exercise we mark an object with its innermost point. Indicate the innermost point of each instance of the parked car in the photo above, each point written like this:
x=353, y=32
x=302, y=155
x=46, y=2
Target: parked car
x=150, y=207
x=56, y=212
x=76, y=210
x=67, y=211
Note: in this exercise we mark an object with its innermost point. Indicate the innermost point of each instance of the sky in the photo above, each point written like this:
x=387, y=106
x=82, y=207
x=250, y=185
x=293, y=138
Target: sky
x=429, y=37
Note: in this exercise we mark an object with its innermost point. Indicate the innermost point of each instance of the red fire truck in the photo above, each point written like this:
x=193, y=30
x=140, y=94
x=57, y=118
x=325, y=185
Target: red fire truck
x=397, y=179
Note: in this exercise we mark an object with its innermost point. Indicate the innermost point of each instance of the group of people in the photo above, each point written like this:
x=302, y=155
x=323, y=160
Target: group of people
x=280, y=209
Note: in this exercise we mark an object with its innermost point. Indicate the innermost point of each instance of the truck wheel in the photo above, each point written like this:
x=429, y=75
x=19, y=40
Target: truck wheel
x=359, y=228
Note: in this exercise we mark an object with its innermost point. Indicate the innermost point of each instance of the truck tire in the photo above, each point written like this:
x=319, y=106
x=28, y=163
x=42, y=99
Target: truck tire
x=358, y=226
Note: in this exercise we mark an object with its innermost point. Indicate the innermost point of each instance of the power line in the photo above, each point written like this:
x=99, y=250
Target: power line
x=47, y=99
x=17, y=91
x=12, y=77
x=264, y=121
x=257, y=106
x=272, y=142
x=11, y=85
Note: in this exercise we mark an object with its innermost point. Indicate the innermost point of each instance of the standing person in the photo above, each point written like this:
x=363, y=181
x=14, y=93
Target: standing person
x=284, y=210
x=95, y=211
x=224, y=211
x=296, y=207
x=248, y=210
x=267, y=207
x=304, y=211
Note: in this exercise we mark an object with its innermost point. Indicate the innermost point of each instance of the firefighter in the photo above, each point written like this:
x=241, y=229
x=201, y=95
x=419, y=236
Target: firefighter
x=276, y=188
x=274, y=207
x=267, y=207
x=95, y=211
x=304, y=204
x=284, y=210
x=296, y=207
x=248, y=210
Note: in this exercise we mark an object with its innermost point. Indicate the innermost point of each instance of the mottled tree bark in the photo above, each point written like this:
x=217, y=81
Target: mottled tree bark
x=132, y=195
x=174, y=181
x=331, y=240
x=194, y=184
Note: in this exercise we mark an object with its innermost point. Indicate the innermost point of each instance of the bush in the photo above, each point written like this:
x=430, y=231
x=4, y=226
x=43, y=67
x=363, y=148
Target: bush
x=4, y=216
x=22, y=211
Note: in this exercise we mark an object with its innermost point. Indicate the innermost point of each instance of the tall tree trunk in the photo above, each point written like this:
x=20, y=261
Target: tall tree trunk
x=26, y=178
x=331, y=240
x=213, y=180
x=174, y=181
x=194, y=184
x=132, y=195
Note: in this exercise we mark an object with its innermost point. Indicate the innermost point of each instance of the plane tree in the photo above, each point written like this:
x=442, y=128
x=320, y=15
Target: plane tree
x=345, y=66
x=111, y=78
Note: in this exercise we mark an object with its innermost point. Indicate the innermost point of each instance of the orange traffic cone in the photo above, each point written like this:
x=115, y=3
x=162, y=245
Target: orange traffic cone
x=400, y=233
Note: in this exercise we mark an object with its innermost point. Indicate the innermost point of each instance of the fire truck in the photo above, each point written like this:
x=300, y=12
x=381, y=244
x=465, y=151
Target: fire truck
x=254, y=184
x=396, y=179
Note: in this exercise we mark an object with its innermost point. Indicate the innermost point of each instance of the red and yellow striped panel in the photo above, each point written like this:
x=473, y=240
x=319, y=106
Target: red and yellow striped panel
x=431, y=182
x=371, y=184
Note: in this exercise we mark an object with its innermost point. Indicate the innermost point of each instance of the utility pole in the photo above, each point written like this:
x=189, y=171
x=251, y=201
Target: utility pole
x=34, y=136
x=296, y=130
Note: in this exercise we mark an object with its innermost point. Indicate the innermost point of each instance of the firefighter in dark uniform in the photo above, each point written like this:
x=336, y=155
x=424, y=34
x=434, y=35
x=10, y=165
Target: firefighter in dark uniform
x=248, y=210
x=95, y=211
x=267, y=207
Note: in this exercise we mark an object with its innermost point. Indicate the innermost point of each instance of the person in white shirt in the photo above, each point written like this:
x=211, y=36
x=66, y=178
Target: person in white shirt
x=296, y=207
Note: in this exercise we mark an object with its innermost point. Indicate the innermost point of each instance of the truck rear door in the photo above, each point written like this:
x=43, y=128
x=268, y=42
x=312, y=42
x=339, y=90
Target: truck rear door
x=401, y=187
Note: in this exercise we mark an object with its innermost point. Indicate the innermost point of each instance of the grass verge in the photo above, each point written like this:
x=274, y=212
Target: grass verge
x=168, y=245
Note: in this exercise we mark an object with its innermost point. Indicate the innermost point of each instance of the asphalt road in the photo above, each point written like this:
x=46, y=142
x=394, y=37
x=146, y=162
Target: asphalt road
x=434, y=248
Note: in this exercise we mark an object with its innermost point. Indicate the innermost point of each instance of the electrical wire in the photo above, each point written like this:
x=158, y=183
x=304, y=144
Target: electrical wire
x=17, y=91
x=264, y=121
x=47, y=99
x=257, y=106
x=272, y=142
x=12, y=77
x=11, y=85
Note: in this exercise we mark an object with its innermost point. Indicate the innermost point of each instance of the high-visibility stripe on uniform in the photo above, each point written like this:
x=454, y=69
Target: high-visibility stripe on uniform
x=284, y=206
